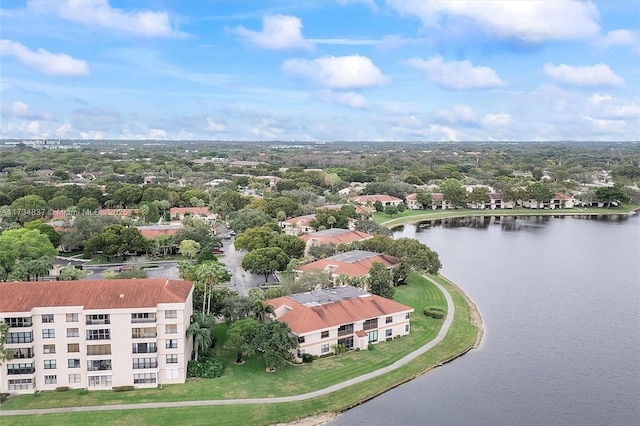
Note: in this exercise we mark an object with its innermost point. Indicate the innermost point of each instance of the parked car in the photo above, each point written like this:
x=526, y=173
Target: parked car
x=217, y=250
x=124, y=268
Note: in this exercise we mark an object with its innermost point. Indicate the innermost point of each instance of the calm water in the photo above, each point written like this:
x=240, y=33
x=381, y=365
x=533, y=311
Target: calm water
x=560, y=299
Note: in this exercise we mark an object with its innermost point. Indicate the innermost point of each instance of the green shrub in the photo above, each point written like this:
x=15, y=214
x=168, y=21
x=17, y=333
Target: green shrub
x=3, y=397
x=307, y=358
x=434, y=312
x=62, y=388
x=357, y=349
x=339, y=348
x=122, y=388
x=206, y=367
x=370, y=347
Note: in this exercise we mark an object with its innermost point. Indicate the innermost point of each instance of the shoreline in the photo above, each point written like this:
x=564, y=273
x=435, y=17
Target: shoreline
x=474, y=313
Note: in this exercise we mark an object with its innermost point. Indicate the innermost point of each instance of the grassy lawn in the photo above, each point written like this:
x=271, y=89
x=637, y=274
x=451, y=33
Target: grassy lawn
x=411, y=216
x=250, y=379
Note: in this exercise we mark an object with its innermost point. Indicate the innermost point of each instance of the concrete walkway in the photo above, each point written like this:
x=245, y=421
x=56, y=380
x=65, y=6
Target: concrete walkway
x=172, y=404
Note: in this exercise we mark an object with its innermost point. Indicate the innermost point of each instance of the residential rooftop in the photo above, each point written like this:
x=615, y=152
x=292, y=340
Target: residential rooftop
x=328, y=295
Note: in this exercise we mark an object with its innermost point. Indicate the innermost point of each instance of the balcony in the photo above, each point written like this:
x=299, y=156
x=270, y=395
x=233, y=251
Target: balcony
x=345, y=330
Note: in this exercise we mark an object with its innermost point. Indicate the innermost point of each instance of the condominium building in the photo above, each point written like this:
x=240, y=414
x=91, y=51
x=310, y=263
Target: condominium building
x=95, y=334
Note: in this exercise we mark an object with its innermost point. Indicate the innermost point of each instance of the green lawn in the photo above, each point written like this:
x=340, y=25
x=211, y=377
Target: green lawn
x=412, y=216
x=251, y=380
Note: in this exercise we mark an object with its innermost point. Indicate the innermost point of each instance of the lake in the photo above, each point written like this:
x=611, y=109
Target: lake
x=560, y=300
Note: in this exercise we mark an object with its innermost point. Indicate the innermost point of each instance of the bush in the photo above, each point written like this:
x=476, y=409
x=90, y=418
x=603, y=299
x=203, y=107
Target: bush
x=434, y=312
x=307, y=358
x=357, y=349
x=62, y=388
x=370, y=347
x=3, y=397
x=122, y=388
x=339, y=348
x=206, y=368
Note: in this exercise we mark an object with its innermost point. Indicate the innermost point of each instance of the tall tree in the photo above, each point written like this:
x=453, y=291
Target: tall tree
x=453, y=192
x=20, y=246
x=380, y=281
x=265, y=261
x=275, y=341
x=202, y=337
x=240, y=338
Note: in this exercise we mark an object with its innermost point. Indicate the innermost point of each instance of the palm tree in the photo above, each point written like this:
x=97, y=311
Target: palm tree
x=201, y=337
x=260, y=310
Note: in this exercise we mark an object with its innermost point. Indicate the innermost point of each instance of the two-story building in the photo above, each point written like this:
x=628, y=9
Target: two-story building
x=95, y=334
x=344, y=315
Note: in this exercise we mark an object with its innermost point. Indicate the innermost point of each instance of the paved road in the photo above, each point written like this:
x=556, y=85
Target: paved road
x=443, y=332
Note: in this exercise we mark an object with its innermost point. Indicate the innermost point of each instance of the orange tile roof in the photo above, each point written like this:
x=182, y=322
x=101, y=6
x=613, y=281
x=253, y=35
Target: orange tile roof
x=93, y=294
x=303, y=319
x=360, y=267
x=334, y=236
x=301, y=220
x=200, y=211
x=373, y=198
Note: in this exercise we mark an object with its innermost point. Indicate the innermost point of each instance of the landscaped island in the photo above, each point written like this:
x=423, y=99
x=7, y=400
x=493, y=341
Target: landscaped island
x=250, y=381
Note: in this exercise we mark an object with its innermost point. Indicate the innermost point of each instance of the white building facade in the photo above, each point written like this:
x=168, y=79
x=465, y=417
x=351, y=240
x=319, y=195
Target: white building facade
x=95, y=334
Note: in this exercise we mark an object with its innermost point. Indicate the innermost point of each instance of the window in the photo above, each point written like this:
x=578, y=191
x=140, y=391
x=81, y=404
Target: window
x=171, y=329
x=143, y=333
x=75, y=378
x=20, y=337
x=144, y=348
x=171, y=314
x=73, y=363
x=171, y=344
x=370, y=324
x=300, y=340
x=49, y=349
x=20, y=384
x=99, y=349
x=388, y=320
x=19, y=322
x=72, y=317
x=145, y=363
x=49, y=364
x=21, y=353
x=324, y=334
x=172, y=359
x=50, y=380
x=99, y=364
x=99, y=334
x=95, y=381
x=373, y=336
x=48, y=333
x=143, y=317
x=406, y=328
x=345, y=329
x=24, y=368
x=324, y=348
x=347, y=342
x=47, y=318
x=172, y=374
x=388, y=333
x=98, y=319
x=73, y=332
x=407, y=316
x=300, y=353
x=140, y=378
x=73, y=347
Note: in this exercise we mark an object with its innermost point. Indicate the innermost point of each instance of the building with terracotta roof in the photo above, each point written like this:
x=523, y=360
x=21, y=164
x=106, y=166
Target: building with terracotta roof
x=153, y=231
x=181, y=212
x=298, y=225
x=355, y=263
x=333, y=236
x=386, y=200
x=95, y=334
x=340, y=315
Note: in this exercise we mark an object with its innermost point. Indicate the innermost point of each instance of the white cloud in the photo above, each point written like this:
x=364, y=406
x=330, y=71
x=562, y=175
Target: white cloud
x=21, y=110
x=278, y=32
x=352, y=99
x=529, y=21
x=44, y=61
x=265, y=130
x=341, y=72
x=596, y=75
x=212, y=126
x=99, y=13
x=370, y=3
x=500, y=119
x=64, y=130
x=459, y=75
x=344, y=41
x=157, y=134
x=456, y=114
x=609, y=107
x=623, y=38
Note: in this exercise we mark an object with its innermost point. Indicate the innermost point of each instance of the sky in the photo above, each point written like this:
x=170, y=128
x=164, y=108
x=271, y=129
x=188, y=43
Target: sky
x=330, y=70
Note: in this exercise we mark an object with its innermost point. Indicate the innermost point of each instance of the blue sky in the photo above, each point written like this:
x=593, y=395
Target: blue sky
x=308, y=70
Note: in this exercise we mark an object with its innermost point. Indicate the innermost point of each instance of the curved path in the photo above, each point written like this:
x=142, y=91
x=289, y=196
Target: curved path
x=172, y=404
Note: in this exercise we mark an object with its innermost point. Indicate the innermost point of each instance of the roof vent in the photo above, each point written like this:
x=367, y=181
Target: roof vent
x=121, y=296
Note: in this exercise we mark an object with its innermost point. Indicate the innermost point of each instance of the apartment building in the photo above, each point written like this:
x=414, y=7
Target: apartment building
x=95, y=334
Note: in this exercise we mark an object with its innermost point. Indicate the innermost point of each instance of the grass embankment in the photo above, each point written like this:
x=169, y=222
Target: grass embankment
x=412, y=216
x=250, y=380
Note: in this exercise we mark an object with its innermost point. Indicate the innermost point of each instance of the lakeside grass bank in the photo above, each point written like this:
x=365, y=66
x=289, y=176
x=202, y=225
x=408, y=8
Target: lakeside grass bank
x=295, y=379
x=414, y=216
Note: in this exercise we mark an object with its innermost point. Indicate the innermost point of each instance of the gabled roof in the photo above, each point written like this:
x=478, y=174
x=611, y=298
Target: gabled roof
x=495, y=196
x=335, y=236
x=194, y=211
x=353, y=263
x=301, y=220
x=306, y=317
x=152, y=231
x=373, y=198
x=93, y=294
